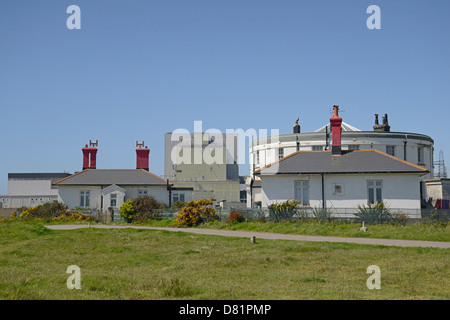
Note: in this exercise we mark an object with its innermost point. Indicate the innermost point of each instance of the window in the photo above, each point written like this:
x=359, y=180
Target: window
x=353, y=147
x=390, y=150
x=113, y=200
x=243, y=196
x=280, y=153
x=302, y=192
x=84, y=198
x=257, y=158
x=317, y=148
x=178, y=197
x=338, y=189
x=420, y=155
x=142, y=193
x=374, y=189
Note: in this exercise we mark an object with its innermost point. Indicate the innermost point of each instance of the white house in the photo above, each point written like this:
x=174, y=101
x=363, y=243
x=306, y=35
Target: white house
x=102, y=189
x=415, y=148
x=342, y=179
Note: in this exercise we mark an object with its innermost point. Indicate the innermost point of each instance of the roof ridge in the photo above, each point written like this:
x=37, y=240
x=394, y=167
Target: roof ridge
x=76, y=173
x=421, y=169
x=90, y=169
x=398, y=159
x=288, y=156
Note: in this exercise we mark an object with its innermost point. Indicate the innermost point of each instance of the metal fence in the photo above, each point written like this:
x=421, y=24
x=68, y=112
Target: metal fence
x=299, y=214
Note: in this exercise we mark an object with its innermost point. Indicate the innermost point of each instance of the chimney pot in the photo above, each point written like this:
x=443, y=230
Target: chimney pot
x=296, y=126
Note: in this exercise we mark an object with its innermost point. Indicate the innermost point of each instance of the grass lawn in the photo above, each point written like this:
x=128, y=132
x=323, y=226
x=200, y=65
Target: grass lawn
x=150, y=264
x=411, y=231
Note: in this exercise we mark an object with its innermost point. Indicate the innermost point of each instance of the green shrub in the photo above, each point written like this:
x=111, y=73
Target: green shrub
x=147, y=208
x=44, y=211
x=127, y=210
x=177, y=204
x=147, y=203
x=400, y=218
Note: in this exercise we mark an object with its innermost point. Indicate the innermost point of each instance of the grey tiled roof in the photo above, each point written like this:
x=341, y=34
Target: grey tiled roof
x=112, y=176
x=350, y=162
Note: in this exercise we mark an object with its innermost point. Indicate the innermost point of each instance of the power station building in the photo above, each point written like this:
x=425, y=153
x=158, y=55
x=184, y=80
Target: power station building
x=203, y=165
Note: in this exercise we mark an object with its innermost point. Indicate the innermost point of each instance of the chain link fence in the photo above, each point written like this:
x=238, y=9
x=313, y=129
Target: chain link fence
x=304, y=214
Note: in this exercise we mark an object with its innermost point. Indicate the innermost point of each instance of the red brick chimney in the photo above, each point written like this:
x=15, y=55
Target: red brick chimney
x=93, y=158
x=336, y=131
x=142, y=156
x=90, y=155
x=86, y=151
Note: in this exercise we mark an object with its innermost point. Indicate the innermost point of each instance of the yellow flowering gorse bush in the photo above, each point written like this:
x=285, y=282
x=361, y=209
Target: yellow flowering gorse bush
x=195, y=212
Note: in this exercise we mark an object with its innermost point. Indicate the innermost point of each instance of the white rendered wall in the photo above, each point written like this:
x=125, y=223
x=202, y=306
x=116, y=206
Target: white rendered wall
x=399, y=191
x=160, y=193
x=70, y=195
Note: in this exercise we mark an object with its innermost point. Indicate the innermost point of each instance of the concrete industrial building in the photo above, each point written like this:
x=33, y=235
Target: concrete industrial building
x=203, y=165
x=31, y=189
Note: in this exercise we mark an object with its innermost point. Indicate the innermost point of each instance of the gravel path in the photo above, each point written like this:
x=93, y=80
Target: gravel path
x=274, y=236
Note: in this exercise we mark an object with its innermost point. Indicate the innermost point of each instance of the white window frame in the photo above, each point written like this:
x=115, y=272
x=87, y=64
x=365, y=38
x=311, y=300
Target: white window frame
x=301, y=191
x=85, y=198
x=338, y=189
x=280, y=153
x=142, y=193
x=113, y=200
x=178, y=196
x=374, y=191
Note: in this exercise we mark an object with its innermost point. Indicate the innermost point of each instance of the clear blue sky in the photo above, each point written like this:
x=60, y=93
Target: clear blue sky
x=138, y=69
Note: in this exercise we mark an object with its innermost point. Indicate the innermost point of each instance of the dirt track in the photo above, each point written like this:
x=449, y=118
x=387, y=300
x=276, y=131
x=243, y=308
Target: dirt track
x=273, y=236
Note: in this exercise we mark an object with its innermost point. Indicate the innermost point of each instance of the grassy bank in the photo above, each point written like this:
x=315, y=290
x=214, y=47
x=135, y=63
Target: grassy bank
x=149, y=264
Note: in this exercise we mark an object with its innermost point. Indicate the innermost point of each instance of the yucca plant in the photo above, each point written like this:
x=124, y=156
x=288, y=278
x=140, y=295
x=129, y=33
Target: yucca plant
x=284, y=210
x=321, y=214
x=374, y=213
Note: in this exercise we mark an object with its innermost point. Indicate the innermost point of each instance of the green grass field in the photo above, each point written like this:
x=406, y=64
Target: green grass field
x=412, y=231
x=149, y=264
